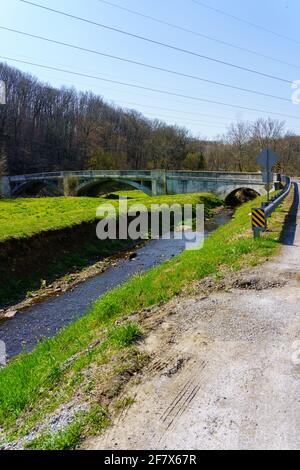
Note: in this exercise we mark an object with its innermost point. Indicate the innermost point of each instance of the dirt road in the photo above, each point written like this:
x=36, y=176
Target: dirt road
x=225, y=372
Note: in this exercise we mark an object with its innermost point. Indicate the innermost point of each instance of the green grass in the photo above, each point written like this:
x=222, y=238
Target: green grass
x=95, y=421
x=124, y=337
x=31, y=379
x=63, y=440
x=22, y=218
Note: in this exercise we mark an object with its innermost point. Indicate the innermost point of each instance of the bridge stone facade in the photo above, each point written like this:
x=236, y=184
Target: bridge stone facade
x=155, y=183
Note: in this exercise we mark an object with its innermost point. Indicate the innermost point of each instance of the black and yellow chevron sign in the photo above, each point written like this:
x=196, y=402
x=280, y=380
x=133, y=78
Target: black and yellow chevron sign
x=259, y=219
x=278, y=168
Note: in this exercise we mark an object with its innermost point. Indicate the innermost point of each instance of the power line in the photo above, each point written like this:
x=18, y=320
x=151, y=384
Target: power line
x=242, y=20
x=112, y=102
x=159, y=43
x=154, y=90
x=177, y=110
x=207, y=124
x=149, y=66
x=196, y=33
x=199, y=121
x=226, y=119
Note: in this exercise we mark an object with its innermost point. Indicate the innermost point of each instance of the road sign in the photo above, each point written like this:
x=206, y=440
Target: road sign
x=267, y=159
x=259, y=219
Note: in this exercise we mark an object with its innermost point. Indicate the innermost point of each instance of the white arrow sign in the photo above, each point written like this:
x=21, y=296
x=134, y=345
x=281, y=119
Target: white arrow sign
x=267, y=159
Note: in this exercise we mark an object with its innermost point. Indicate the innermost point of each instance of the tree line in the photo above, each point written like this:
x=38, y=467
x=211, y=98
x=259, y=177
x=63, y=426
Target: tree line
x=43, y=128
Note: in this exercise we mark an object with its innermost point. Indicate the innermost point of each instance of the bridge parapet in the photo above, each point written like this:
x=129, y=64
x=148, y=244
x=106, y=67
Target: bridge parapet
x=154, y=182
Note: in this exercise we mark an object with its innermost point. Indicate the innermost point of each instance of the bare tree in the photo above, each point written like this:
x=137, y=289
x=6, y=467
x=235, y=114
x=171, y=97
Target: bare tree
x=238, y=137
x=267, y=132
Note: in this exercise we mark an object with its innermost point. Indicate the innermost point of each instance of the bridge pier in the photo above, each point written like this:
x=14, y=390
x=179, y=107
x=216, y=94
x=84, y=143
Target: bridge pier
x=159, y=182
x=5, y=188
x=67, y=186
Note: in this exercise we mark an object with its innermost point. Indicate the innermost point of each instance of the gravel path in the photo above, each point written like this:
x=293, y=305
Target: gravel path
x=225, y=372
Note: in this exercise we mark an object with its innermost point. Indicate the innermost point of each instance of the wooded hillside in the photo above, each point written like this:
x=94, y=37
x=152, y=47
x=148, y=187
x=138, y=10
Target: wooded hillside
x=48, y=129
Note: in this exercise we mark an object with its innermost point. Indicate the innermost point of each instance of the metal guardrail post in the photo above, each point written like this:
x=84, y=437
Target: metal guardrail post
x=256, y=233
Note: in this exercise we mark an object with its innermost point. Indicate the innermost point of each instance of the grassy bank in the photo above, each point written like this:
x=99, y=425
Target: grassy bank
x=42, y=240
x=22, y=218
x=35, y=384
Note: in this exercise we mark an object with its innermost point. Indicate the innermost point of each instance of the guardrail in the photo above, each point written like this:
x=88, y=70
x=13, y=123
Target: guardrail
x=260, y=215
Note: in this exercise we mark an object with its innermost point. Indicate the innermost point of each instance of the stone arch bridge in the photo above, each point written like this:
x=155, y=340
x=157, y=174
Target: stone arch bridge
x=155, y=183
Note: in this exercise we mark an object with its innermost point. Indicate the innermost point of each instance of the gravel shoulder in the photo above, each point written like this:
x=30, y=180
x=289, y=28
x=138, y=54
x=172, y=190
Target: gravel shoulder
x=225, y=372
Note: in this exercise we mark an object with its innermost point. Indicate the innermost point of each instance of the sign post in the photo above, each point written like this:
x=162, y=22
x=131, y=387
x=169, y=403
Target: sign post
x=267, y=159
x=268, y=177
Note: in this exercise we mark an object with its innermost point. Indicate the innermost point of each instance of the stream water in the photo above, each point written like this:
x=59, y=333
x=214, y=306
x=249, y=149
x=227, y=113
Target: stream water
x=27, y=328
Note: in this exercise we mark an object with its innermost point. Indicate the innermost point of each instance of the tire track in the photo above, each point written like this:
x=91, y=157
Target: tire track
x=184, y=397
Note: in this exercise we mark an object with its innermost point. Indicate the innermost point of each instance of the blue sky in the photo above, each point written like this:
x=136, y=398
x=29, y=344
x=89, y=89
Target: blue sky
x=202, y=119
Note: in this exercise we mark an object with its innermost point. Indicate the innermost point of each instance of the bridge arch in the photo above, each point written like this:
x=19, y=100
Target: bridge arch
x=35, y=187
x=236, y=196
x=87, y=185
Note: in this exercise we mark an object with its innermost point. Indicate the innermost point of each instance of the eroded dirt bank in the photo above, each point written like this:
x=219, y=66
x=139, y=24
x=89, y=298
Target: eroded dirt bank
x=25, y=264
x=224, y=372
